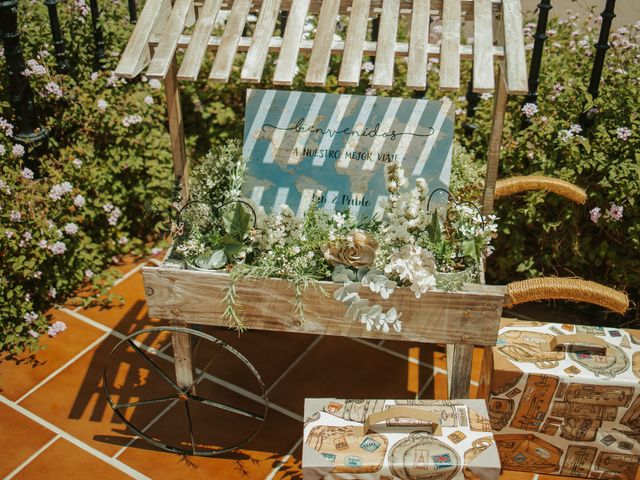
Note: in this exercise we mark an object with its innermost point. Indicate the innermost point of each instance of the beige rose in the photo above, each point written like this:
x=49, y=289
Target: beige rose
x=361, y=254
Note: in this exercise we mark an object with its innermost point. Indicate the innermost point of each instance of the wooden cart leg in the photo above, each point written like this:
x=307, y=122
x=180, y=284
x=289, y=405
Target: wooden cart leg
x=459, y=359
x=497, y=125
x=182, y=356
x=484, y=388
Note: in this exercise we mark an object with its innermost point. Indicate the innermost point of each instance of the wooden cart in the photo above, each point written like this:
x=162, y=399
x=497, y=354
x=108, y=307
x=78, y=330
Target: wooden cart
x=182, y=297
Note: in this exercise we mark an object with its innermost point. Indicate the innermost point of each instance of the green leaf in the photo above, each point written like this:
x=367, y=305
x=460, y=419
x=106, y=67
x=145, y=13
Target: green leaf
x=434, y=231
x=211, y=261
x=469, y=248
x=230, y=245
x=237, y=221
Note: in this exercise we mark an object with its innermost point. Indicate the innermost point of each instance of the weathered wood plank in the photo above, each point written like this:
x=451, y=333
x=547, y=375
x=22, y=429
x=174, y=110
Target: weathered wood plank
x=223, y=62
x=354, y=44
x=450, y=49
x=321, y=53
x=257, y=54
x=288, y=58
x=166, y=50
x=136, y=54
x=194, y=55
x=459, y=362
x=514, y=47
x=176, y=128
x=418, y=40
x=483, y=70
x=385, y=51
x=495, y=140
x=471, y=316
x=182, y=355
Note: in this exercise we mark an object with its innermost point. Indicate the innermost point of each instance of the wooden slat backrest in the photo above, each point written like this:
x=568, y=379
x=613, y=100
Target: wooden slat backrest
x=258, y=39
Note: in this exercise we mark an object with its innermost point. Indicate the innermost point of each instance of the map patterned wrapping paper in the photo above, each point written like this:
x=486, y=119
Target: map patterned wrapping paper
x=573, y=412
x=302, y=146
x=399, y=448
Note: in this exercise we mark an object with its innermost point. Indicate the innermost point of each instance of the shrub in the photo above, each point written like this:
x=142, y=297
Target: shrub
x=546, y=234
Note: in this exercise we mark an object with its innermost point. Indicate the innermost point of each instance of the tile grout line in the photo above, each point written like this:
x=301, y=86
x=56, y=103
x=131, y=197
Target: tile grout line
x=63, y=367
x=282, y=461
x=168, y=358
x=31, y=458
x=76, y=441
x=293, y=364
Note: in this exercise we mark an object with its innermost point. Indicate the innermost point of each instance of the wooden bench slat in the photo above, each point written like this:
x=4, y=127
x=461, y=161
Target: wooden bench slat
x=288, y=58
x=163, y=56
x=385, y=51
x=354, y=44
x=483, y=71
x=223, y=61
x=136, y=54
x=257, y=54
x=515, y=58
x=194, y=55
x=449, y=51
x=321, y=53
x=418, y=39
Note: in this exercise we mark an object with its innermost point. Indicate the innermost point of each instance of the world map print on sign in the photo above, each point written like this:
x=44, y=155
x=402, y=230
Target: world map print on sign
x=302, y=147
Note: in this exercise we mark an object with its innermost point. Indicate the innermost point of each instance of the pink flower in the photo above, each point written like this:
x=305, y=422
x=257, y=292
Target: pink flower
x=595, y=214
x=15, y=216
x=529, y=109
x=17, y=150
x=58, y=248
x=42, y=243
x=615, y=212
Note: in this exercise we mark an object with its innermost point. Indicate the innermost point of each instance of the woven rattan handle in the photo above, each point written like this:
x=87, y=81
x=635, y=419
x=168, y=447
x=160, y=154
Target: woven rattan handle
x=404, y=412
x=513, y=185
x=583, y=338
x=551, y=288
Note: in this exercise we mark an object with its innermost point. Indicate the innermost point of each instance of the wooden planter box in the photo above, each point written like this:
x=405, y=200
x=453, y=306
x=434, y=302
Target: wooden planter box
x=471, y=316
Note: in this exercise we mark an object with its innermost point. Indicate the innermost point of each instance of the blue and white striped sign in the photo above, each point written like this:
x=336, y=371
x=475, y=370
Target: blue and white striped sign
x=300, y=146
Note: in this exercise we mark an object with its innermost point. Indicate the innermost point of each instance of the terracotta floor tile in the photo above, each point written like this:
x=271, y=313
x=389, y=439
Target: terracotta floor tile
x=21, y=437
x=128, y=316
x=74, y=399
x=509, y=475
x=340, y=367
x=64, y=460
x=19, y=375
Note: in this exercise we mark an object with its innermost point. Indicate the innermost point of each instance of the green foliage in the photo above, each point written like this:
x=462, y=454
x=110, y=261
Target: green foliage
x=543, y=233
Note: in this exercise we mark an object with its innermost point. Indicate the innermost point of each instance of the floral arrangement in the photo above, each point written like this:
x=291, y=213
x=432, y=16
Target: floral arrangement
x=410, y=245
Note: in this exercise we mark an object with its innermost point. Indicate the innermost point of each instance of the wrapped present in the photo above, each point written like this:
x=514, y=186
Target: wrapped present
x=398, y=439
x=565, y=399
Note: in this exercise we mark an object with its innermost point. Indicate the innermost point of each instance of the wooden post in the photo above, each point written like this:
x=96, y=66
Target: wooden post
x=497, y=125
x=459, y=360
x=182, y=356
x=176, y=127
x=484, y=387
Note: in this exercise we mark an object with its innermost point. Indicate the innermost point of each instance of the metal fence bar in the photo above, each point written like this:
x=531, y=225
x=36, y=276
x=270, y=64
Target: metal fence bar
x=21, y=95
x=538, y=48
x=58, y=41
x=133, y=13
x=98, y=36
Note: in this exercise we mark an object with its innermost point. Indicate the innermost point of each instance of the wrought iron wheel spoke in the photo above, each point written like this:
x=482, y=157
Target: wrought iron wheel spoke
x=145, y=402
x=188, y=412
x=154, y=366
x=204, y=370
x=228, y=408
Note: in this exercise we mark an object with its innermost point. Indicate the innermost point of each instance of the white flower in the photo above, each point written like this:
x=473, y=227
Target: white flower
x=123, y=240
x=30, y=317
x=575, y=128
x=43, y=243
x=88, y=273
x=37, y=274
x=77, y=162
x=15, y=216
x=155, y=83
x=3, y=150
x=27, y=236
x=112, y=81
x=33, y=333
x=78, y=201
x=529, y=109
x=71, y=228
x=27, y=173
x=623, y=133
x=52, y=88
x=156, y=251
x=6, y=126
x=129, y=120
x=17, y=150
x=34, y=68
x=102, y=104
x=59, y=190
x=56, y=328
x=114, y=216
x=148, y=100
x=94, y=76
x=58, y=248
x=52, y=293
x=368, y=66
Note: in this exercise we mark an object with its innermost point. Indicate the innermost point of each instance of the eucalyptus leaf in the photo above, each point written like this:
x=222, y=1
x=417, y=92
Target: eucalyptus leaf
x=211, y=261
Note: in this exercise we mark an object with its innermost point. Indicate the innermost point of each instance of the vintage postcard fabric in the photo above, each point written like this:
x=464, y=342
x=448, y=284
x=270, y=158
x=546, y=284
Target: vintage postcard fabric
x=303, y=146
x=574, y=412
x=399, y=448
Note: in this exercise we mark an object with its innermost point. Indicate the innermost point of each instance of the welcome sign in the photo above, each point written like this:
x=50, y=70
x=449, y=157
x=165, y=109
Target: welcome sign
x=302, y=147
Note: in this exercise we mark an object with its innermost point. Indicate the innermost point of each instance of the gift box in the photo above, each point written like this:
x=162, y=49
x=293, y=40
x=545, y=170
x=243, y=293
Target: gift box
x=398, y=439
x=565, y=399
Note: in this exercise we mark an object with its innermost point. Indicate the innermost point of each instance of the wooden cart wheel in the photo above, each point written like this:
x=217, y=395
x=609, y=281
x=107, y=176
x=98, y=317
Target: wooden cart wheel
x=183, y=399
